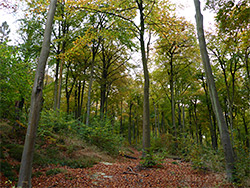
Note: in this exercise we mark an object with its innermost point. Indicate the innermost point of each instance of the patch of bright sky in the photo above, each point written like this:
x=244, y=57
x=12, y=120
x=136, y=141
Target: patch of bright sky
x=11, y=18
x=186, y=8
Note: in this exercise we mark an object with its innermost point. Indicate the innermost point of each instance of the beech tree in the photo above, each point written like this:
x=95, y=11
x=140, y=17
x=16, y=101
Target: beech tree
x=36, y=103
x=224, y=134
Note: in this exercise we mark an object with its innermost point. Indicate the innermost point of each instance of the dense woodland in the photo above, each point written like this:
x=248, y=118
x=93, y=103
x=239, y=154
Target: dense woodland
x=130, y=73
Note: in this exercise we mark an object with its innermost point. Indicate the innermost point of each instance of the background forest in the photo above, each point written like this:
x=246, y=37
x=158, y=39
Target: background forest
x=103, y=56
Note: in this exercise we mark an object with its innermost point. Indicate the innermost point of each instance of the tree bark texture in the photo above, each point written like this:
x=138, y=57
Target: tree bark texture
x=146, y=115
x=36, y=103
x=224, y=134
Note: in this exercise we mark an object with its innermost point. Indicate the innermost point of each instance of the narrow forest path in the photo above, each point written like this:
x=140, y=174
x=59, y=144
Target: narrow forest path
x=126, y=173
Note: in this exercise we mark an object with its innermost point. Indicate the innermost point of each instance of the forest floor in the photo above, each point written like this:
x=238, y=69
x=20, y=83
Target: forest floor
x=123, y=172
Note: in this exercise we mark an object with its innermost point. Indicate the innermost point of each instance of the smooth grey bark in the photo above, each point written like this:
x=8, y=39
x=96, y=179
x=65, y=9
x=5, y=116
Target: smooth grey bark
x=146, y=115
x=95, y=47
x=36, y=103
x=224, y=134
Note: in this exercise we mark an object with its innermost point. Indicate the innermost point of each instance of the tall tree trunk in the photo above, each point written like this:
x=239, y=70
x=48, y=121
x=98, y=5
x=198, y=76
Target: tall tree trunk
x=183, y=118
x=133, y=126
x=158, y=121
x=121, y=125
x=146, y=115
x=76, y=108
x=89, y=93
x=163, y=122
x=103, y=83
x=155, y=128
x=130, y=122
x=82, y=93
x=79, y=99
x=196, y=123
x=179, y=117
x=60, y=86
x=36, y=103
x=56, y=82
x=190, y=121
x=172, y=98
x=94, y=52
x=225, y=138
x=67, y=90
x=246, y=130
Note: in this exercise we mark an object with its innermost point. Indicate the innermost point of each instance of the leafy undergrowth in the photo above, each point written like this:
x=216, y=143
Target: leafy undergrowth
x=125, y=173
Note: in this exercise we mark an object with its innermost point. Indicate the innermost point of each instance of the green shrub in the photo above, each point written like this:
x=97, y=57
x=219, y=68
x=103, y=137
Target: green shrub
x=54, y=122
x=204, y=158
x=8, y=171
x=151, y=160
x=55, y=171
x=82, y=162
x=37, y=174
x=101, y=134
x=15, y=151
x=242, y=164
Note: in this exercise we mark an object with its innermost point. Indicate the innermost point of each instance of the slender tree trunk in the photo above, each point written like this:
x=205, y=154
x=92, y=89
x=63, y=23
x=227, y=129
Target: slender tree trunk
x=89, y=93
x=137, y=130
x=36, y=102
x=229, y=98
x=121, y=125
x=196, y=123
x=172, y=98
x=190, y=121
x=155, y=128
x=76, y=108
x=67, y=90
x=79, y=99
x=225, y=138
x=82, y=93
x=158, y=122
x=179, y=117
x=134, y=130
x=163, y=122
x=130, y=122
x=60, y=86
x=94, y=52
x=56, y=83
x=183, y=118
x=215, y=129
